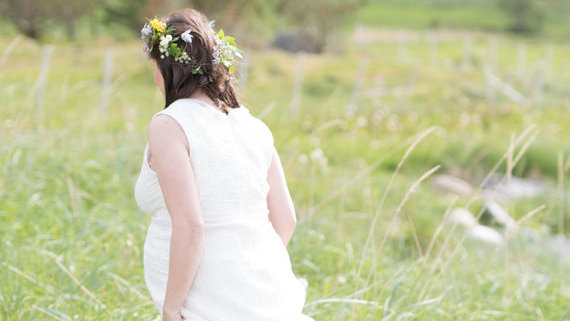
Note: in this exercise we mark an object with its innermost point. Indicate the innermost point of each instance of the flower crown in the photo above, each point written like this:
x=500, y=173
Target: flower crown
x=225, y=50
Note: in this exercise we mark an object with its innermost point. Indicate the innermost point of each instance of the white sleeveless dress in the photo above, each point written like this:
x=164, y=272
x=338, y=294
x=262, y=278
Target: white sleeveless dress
x=245, y=270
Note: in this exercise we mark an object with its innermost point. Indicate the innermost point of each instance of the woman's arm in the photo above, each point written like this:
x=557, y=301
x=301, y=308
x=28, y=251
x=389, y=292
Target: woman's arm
x=279, y=201
x=170, y=160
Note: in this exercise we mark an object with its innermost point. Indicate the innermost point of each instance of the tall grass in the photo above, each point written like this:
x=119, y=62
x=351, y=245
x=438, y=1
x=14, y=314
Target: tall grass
x=372, y=238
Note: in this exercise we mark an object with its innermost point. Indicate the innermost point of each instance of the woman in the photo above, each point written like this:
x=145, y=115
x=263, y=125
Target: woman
x=211, y=177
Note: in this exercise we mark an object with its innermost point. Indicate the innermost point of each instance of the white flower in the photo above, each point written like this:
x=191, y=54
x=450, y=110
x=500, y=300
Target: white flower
x=211, y=25
x=186, y=36
x=164, y=41
x=317, y=154
x=184, y=58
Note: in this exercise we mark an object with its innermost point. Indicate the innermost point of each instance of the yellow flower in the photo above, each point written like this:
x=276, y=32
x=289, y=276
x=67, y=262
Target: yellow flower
x=158, y=25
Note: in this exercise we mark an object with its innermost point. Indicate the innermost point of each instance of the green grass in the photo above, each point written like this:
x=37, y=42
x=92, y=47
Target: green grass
x=458, y=15
x=72, y=236
x=425, y=15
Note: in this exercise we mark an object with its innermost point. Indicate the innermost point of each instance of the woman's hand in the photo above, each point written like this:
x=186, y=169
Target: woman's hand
x=172, y=316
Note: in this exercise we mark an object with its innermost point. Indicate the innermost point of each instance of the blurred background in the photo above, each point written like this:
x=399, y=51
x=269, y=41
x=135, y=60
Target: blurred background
x=425, y=143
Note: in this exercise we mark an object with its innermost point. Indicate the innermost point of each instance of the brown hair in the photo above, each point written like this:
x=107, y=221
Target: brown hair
x=179, y=82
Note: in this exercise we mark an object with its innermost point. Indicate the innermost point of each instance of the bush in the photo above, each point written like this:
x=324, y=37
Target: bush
x=527, y=16
x=320, y=19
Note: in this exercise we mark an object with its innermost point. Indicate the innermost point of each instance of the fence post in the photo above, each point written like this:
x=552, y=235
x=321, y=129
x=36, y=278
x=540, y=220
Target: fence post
x=494, y=52
x=539, y=83
x=521, y=58
x=549, y=56
x=433, y=49
x=9, y=49
x=107, y=80
x=467, y=50
x=491, y=95
x=297, y=86
x=356, y=88
x=402, y=47
x=42, y=80
x=378, y=90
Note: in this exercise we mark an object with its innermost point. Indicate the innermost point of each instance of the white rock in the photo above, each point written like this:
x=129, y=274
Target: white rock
x=499, y=214
x=462, y=217
x=485, y=235
x=515, y=188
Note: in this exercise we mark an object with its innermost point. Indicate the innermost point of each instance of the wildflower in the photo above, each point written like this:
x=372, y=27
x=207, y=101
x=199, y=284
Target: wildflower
x=164, y=40
x=216, y=54
x=317, y=154
x=146, y=31
x=186, y=36
x=211, y=25
x=163, y=47
x=158, y=25
x=183, y=58
x=145, y=49
x=225, y=51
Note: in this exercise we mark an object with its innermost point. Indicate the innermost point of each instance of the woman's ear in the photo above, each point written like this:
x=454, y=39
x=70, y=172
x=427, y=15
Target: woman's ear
x=158, y=80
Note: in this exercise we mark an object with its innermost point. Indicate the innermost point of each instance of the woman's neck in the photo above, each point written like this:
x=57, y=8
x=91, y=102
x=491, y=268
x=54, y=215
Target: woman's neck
x=199, y=94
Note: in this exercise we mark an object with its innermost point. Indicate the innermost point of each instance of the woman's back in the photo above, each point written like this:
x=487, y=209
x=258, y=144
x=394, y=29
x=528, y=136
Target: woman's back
x=245, y=271
x=230, y=155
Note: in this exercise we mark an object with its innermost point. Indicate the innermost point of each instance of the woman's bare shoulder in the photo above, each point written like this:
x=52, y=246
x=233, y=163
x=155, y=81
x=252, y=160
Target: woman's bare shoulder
x=164, y=131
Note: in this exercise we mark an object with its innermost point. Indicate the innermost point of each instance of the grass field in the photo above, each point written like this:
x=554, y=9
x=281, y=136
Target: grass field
x=459, y=15
x=370, y=240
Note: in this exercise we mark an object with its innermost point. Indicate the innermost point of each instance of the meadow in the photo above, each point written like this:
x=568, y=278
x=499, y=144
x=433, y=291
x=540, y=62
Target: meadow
x=459, y=14
x=373, y=125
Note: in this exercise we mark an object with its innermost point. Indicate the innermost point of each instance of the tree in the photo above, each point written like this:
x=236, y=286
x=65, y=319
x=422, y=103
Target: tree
x=134, y=13
x=321, y=19
x=527, y=16
x=130, y=14
x=69, y=13
x=30, y=16
x=237, y=16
